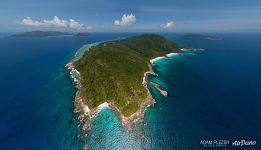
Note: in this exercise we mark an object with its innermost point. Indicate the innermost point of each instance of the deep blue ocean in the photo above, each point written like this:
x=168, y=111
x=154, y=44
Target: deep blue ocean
x=212, y=95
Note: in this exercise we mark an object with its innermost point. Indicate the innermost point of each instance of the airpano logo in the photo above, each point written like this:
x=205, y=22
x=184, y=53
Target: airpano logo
x=243, y=143
x=226, y=143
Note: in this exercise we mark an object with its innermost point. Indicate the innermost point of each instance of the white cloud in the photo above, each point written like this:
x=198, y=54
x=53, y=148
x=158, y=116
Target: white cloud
x=29, y=22
x=168, y=25
x=76, y=25
x=126, y=19
x=55, y=22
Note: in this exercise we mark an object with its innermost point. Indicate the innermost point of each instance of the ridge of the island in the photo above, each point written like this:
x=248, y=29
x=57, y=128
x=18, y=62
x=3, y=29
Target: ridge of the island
x=114, y=74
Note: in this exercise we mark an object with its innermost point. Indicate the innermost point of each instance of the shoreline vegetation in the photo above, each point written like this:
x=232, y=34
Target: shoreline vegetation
x=132, y=96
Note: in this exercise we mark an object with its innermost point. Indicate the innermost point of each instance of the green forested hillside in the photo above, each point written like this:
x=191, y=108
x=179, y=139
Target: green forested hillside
x=113, y=71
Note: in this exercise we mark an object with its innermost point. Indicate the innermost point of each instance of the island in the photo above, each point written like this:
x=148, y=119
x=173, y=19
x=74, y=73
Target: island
x=200, y=37
x=114, y=74
x=48, y=34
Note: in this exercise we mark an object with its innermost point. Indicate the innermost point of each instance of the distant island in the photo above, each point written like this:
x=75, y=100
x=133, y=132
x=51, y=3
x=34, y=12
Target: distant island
x=114, y=74
x=200, y=37
x=48, y=33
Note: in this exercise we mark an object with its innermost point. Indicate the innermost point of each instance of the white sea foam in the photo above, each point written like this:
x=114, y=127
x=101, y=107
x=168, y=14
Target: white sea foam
x=172, y=54
x=156, y=59
x=99, y=108
x=192, y=49
x=162, y=92
x=152, y=61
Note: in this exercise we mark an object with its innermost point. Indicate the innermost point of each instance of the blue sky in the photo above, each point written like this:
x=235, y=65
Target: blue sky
x=131, y=15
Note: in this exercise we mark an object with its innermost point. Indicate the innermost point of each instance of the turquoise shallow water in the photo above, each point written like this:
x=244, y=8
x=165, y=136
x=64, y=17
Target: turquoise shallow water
x=148, y=133
x=108, y=133
x=36, y=104
x=212, y=94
